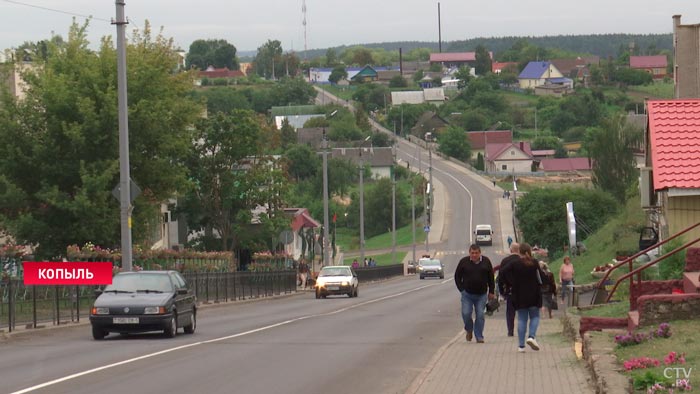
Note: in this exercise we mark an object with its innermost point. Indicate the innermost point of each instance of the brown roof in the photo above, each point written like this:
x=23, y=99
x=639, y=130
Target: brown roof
x=494, y=150
x=311, y=136
x=212, y=72
x=565, y=164
x=376, y=157
x=479, y=139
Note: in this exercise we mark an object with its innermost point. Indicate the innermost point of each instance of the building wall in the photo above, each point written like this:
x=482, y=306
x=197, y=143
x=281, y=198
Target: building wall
x=681, y=213
x=511, y=166
x=686, y=59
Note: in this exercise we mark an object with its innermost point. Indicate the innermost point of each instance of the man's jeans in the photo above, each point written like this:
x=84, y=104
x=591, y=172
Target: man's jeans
x=474, y=303
x=533, y=313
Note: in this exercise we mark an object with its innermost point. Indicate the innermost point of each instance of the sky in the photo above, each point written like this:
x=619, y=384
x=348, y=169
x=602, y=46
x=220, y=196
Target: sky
x=249, y=24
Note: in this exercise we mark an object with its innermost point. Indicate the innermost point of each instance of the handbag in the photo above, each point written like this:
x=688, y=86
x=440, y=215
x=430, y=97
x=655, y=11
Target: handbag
x=492, y=305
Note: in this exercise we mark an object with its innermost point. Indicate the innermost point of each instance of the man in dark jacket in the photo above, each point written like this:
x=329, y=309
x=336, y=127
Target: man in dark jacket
x=474, y=280
x=505, y=288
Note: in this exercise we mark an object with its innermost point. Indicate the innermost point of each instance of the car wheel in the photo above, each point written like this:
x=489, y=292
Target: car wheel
x=189, y=329
x=356, y=291
x=422, y=277
x=442, y=276
x=318, y=294
x=171, y=330
x=98, y=334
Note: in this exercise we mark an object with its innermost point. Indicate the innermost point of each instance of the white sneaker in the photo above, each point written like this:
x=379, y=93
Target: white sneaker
x=533, y=343
x=521, y=350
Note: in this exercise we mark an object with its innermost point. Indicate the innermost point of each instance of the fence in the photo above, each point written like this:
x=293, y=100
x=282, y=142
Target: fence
x=32, y=306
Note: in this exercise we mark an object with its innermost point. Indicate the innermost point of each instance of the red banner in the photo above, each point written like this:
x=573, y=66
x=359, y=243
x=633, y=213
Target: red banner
x=67, y=273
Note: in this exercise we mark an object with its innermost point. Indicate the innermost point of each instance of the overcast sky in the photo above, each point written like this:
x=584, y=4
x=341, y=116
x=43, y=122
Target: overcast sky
x=249, y=24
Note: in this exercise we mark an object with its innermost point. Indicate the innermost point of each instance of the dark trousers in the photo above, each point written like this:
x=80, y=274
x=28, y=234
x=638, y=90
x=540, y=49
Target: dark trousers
x=510, y=314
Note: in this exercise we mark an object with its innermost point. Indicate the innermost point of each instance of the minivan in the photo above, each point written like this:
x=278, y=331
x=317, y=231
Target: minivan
x=483, y=233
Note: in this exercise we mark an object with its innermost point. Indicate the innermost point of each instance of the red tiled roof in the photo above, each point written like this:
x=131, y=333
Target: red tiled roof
x=674, y=138
x=497, y=66
x=302, y=218
x=211, y=72
x=478, y=139
x=494, y=151
x=565, y=164
x=659, y=61
x=455, y=57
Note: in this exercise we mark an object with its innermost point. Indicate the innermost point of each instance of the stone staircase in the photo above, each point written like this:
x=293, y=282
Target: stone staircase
x=655, y=302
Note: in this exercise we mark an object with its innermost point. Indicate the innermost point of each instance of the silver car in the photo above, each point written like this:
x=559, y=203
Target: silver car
x=431, y=267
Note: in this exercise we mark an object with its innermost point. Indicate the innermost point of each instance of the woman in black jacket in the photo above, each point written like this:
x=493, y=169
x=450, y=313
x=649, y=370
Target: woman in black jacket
x=522, y=275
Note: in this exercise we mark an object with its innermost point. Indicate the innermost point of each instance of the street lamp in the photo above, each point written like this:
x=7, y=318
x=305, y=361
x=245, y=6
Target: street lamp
x=324, y=146
x=362, y=204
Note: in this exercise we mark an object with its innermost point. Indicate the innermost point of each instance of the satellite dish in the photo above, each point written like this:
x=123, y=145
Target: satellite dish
x=286, y=237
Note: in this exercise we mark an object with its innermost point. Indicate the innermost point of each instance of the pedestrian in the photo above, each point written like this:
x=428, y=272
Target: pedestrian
x=474, y=280
x=510, y=242
x=549, y=289
x=523, y=275
x=303, y=273
x=355, y=264
x=364, y=263
x=505, y=288
x=493, y=179
x=566, y=277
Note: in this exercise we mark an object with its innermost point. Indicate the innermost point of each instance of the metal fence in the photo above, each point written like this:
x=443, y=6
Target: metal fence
x=34, y=306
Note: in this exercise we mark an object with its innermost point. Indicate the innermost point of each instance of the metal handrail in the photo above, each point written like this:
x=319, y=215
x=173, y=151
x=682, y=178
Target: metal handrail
x=629, y=261
x=638, y=270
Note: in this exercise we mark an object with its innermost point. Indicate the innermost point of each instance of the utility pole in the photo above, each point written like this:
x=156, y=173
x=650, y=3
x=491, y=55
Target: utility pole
x=413, y=217
x=324, y=146
x=124, y=175
x=393, y=207
x=362, y=205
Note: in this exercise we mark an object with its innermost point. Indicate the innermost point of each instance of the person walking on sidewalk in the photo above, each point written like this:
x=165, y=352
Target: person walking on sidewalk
x=523, y=276
x=505, y=289
x=303, y=273
x=548, y=288
x=566, y=277
x=474, y=280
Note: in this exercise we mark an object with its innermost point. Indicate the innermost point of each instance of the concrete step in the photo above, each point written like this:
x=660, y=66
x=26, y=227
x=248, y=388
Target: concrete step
x=632, y=320
x=691, y=282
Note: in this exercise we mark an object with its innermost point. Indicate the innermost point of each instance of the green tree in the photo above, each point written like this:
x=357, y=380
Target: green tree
x=480, y=165
x=542, y=213
x=378, y=208
x=371, y=96
x=331, y=58
x=454, y=142
x=398, y=82
x=483, y=60
x=216, y=53
x=292, y=91
x=268, y=61
x=611, y=149
x=302, y=162
x=65, y=134
x=337, y=74
x=287, y=134
x=223, y=99
x=464, y=75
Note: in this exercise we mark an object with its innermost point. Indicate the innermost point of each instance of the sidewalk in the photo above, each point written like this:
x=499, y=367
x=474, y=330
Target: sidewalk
x=496, y=367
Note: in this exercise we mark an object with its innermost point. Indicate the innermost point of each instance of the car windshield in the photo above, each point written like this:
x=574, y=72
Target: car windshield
x=483, y=232
x=431, y=263
x=156, y=283
x=335, y=272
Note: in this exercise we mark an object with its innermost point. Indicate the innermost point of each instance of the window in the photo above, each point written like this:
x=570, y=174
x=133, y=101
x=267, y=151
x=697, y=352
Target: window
x=512, y=153
x=504, y=167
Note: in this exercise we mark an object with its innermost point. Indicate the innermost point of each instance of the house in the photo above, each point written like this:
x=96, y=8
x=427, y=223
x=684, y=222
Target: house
x=431, y=95
x=543, y=154
x=538, y=73
x=320, y=75
x=296, y=121
x=567, y=164
x=455, y=59
x=429, y=122
x=366, y=74
x=499, y=67
x=223, y=72
x=686, y=62
x=670, y=182
x=479, y=139
x=301, y=220
x=654, y=65
x=385, y=76
x=311, y=136
x=509, y=157
x=380, y=160
x=557, y=87
x=11, y=77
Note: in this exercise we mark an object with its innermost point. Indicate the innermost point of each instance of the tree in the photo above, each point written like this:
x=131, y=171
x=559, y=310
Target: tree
x=65, y=134
x=287, y=134
x=378, y=208
x=337, y=74
x=464, y=75
x=302, y=162
x=223, y=99
x=268, y=61
x=483, y=60
x=398, y=81
x=611, y=150
x=331, y=58
x=215, y=53
x=454, y=142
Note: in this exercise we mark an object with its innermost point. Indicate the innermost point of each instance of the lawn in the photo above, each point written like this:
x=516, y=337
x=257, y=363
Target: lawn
x=656, y=90
x=343, y=92
x=683, y=340
x=381, y=259
x=349, y=239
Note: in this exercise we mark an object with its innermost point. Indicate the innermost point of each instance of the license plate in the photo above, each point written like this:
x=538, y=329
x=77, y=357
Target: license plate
x=333, y=288
x=125, y=320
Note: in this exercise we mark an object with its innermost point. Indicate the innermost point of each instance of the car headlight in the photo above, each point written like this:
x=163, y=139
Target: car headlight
x=420, y=268
x=320, y=283
x=154, y=310
x=345, y=283
x=100, y=311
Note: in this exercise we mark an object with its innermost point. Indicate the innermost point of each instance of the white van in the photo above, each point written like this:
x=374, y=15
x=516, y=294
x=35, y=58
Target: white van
x=483, y=233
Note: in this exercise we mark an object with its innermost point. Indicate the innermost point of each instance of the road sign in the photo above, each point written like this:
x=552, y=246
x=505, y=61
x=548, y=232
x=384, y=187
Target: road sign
x=426, y=229
x=133, y=189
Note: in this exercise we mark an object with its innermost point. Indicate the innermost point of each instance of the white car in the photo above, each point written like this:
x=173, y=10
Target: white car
x=336, y=279
x=483, y=233
x=430, y=267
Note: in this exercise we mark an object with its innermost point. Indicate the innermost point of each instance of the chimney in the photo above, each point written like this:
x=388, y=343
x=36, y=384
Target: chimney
x=522, y=146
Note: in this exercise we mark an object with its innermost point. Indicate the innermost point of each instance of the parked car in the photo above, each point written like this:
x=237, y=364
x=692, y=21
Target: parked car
x=144, y=301
x=431, y=267
x=336, y=279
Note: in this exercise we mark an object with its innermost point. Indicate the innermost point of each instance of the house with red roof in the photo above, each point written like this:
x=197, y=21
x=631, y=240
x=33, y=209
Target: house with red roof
x=498, y=67
x=654, y=65
x=670, y=182
x=509, y=157
x=479, y=139
x=455, y=59
x=579, y=165
x=301, y=222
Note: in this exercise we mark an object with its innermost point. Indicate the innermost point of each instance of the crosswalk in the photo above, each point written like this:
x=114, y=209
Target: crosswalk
x=465, y=252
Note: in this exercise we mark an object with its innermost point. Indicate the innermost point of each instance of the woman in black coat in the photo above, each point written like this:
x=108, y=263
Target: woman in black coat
x=522, y=275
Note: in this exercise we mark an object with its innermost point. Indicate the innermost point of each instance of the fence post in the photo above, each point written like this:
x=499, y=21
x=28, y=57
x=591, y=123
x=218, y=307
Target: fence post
x=58, y=308
x=11, y=306
x=34, y=306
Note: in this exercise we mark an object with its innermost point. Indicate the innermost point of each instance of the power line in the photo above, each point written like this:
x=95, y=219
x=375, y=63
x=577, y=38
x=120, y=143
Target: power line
x=55, y=10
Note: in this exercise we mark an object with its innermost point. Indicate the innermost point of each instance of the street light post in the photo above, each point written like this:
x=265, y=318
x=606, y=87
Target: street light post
x=393, y=207
x=324, y=147
x=362, y=205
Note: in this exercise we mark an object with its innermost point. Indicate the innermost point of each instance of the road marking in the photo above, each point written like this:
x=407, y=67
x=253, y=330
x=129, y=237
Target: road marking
x=253, y=331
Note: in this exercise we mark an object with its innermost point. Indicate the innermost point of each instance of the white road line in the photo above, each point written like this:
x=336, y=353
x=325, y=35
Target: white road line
x=271, y=326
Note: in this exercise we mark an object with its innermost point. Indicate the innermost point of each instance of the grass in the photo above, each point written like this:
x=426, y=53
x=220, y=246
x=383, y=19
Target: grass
x=343, y=92
x=381, y=259
x=349, y=239
x=614, y=309
x=658, y=90
x=683, y=339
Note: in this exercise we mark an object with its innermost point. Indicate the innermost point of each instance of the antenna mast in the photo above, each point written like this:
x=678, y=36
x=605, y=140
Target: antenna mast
x=303, y=23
